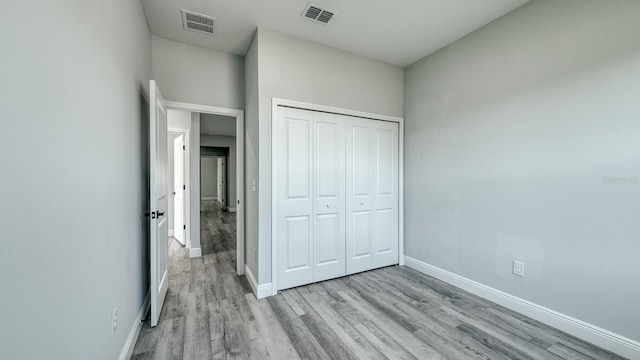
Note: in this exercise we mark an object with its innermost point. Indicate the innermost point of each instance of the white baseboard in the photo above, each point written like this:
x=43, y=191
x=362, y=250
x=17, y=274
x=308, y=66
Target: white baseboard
x=232, y=209
x=603, y=338
x=195, y=252
x=171, y=232
x=127, y=349
x=260, y=291
x=208, y=198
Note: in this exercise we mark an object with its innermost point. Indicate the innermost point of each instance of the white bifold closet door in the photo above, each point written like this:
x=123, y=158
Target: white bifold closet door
x=311, y=197
x=337, y=195
x=372, y=194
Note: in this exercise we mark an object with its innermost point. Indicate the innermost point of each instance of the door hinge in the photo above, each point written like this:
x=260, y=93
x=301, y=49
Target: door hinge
x=184, y=187
x=184, y=227
x=183, y=148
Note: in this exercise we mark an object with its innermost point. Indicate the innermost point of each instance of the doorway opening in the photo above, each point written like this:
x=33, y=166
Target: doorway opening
x=217, y=218
x=214, y=180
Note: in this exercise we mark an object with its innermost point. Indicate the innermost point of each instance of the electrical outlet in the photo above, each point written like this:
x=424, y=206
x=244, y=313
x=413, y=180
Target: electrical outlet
x=518, y=268
x=114, y=320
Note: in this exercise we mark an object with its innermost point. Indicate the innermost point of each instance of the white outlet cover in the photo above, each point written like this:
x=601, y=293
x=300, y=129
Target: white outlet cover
x=518, y=268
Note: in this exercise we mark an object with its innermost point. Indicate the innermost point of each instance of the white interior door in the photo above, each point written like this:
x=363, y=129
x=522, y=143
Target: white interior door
x=159, y=226
x=222, y=170
x=178, y=189
x=294, y=194
x=220, y=181
x=372, y=194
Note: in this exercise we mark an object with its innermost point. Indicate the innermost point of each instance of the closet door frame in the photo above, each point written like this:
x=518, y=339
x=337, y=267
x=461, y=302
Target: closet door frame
x=276, y=104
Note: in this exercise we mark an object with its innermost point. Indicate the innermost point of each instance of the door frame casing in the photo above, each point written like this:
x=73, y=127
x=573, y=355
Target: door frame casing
x=186, y=177
x=240, y=206
x=275, y=104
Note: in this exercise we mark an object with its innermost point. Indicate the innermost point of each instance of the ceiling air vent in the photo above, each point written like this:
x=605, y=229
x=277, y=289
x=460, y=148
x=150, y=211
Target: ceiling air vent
x=317, y=13
x=198, y=22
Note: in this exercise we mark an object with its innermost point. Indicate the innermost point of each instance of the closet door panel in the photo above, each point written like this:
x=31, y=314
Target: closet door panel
x=328, y=175
x=385, y=187
x=372, y=194
x=360, y=171
x=295, y=197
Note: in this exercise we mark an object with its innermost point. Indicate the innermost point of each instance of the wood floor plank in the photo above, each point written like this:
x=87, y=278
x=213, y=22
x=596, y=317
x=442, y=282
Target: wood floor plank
x=383, y=342
x=172, y=334
x=290, y=296
x=348, y=334
x=216, y=331
x=588, y=349
x=197, y=339
x=275, y=338
x=393, y=329
x=383, y=305
x=237, y=341
x=235, y=297
x=329, y=340
x=514, y=340
x=444, y=335
x=302, y=339
x=494, y=343
x=214, y=288
x=147, y=340
x=568, y=353
x=149, y=355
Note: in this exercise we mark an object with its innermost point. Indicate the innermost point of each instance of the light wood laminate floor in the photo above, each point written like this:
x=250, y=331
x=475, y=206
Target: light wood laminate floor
x=389, y=313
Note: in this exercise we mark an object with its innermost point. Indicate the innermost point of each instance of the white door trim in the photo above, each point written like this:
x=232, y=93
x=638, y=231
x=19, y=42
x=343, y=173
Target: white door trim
x=186, y=177
x=239, y=115
x=274, y=170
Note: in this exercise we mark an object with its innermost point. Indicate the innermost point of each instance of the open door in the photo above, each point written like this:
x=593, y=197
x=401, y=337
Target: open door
x=159, y=201
x=222, y=182
x=178, y=189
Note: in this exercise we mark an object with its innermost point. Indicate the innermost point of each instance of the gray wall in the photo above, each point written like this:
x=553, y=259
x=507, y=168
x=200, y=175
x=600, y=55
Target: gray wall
x=197, y=75
x=511, y=135
x=208, y=177
x=74, y=175
x=294, y=69
x=251, y=157
x=228, y=142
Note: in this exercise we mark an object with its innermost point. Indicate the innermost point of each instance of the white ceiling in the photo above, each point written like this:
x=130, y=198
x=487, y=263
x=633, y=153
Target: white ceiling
x=217, y=125
x=395, y=32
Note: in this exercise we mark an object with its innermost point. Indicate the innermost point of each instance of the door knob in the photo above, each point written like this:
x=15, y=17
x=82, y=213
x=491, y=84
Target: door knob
x=173, y=193
x=361, y=203
x=328, y=206
x=160, y=214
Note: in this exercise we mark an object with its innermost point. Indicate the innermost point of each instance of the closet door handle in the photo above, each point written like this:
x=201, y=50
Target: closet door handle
x=361, y=203
x=328, y=206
